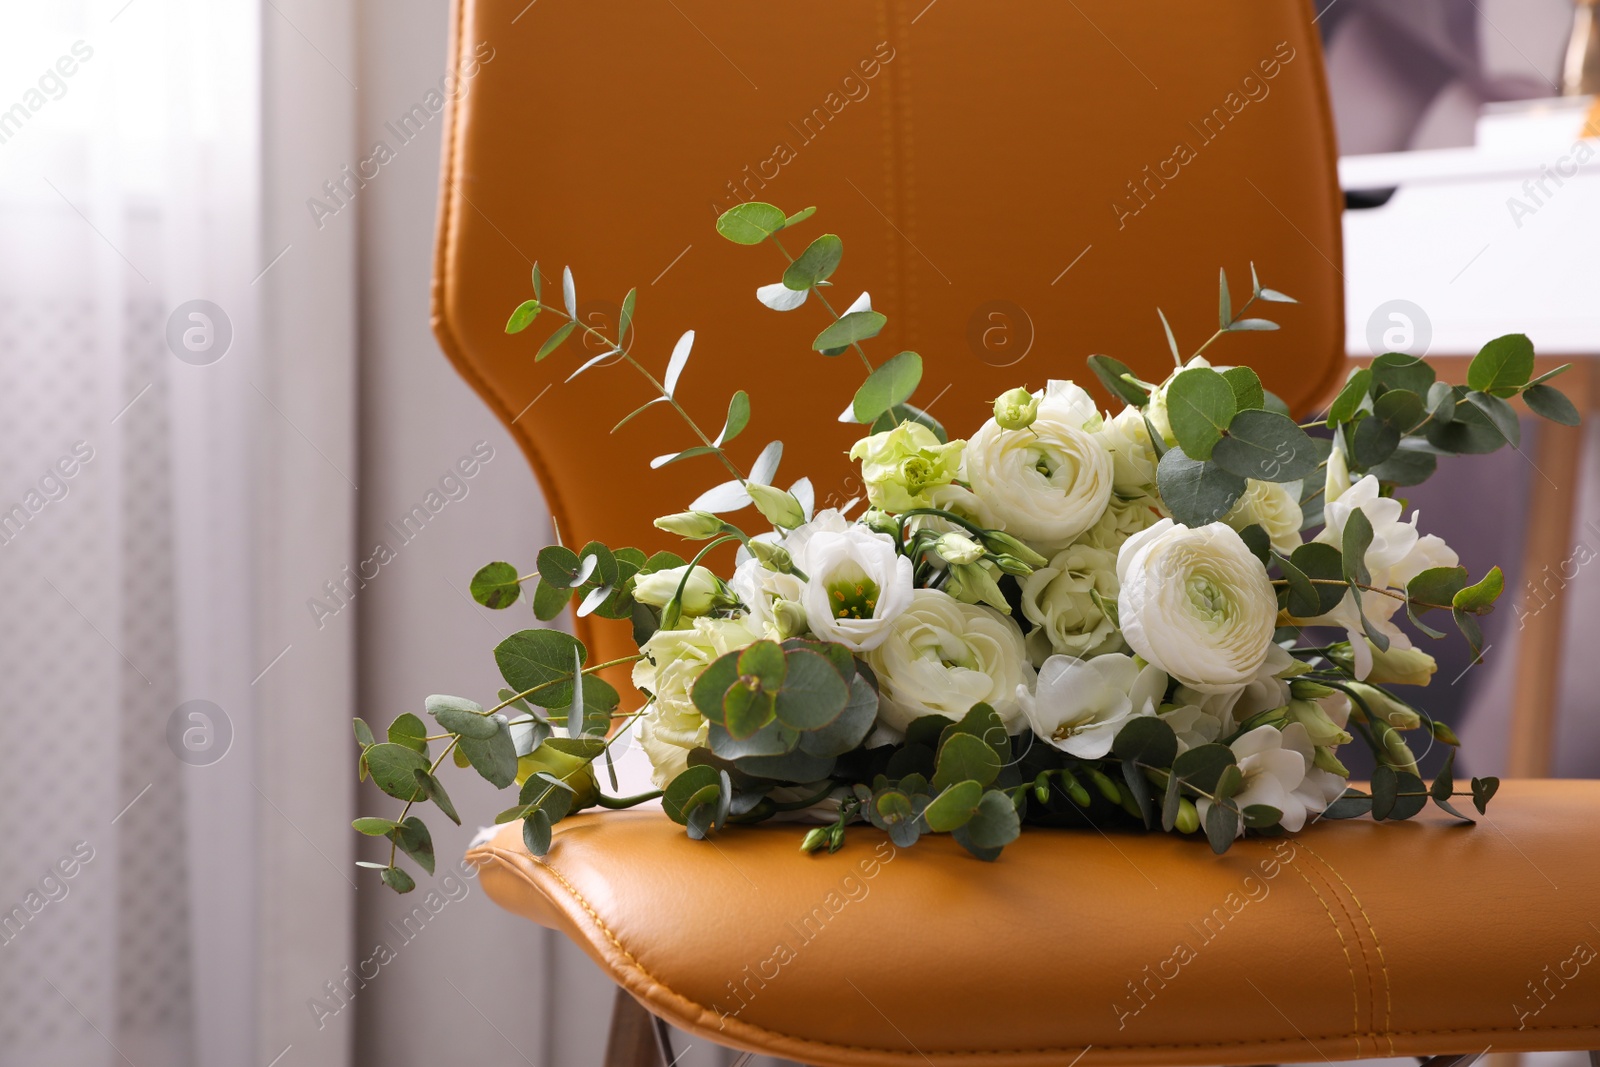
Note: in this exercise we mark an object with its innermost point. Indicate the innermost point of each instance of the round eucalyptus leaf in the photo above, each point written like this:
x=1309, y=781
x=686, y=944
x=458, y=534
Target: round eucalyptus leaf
x=1268, y=447
x=1196, y=492
x=1200, y=405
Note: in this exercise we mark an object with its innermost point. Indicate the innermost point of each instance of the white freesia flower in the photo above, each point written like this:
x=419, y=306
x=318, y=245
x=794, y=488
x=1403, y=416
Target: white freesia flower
x=672, y=726
x=774, y=599
x=942, y=656
x=1398, y=553
x=1079, y=704
x=1196, y=603
x=1133, y=459
x=1336, y=481
x=857, y=584
x=1048, y=483
x=1194, y=725
x=1059, y=599
x=1275, y=507
x=699, y=592
x=1273, y=771
x=1267, y=691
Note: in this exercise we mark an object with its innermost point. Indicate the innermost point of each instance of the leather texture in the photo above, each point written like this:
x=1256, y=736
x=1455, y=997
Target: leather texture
x=985, y=164
x=1353, y=939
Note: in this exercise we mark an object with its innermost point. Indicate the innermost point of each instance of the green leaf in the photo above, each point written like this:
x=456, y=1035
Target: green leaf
x=1112, y=374
x=993, y=826
x=1441, y=400
x=908, y=413
x=398, y=880
x=1146, y=739
x=1503, y=366
x=1203, y=765
x=1197, y=493
x=1224, y=300
x=1357, y=539
x=1470, y=430
x=889, y=384
x=750, y=224
x=408, y=730
x=393, y=768
x=852, y=328
x=496, y=586
x=814, y=694
x=746, y=709
x=522, y=316
x=1483, y=790
x=549, y=601
x=1552, y=403
x=625, y=318
x=816, y=264
x=713, y=684
x=1172, y=342
x=1348, y=402
x=799, y=217
x=1266, y=446
x=847, y=731
x=1241, y=325
x=1436, y=586
x=1400, y=408
x=1325, y=563
x=1200, y=406
x=538, y=282
x=1480, y=597
x=738, y=418
x=363, y=733
x=953, y=806
x=689, y=790
x=1400, y=370
x=1373, y=442
x=1406, y=466
x=374, y=827
x=1222, y=825
x=963, y=757
x=764, y=660
x=553, y=342
x=462, y=716
x=413, y=839
x=1246, y=384
x=531, y=658
x=1353, y=804
x=1444, y=783
x=1302, y=600
x=536, y=833
x=495, y=757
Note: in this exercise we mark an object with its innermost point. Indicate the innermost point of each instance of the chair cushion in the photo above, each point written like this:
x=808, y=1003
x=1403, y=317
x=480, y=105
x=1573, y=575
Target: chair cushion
x=1352, y=939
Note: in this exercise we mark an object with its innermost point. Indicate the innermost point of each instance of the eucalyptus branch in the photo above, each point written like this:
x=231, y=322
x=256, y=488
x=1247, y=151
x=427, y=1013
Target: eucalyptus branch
x=1231, y=320
x=1371, y=589
x=817, y=289
x=567, y=677
x=394, y=842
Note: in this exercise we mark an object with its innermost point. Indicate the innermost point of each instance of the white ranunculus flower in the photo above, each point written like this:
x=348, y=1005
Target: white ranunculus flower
x=1275, y=507
x=774, y=599
x=1079, y=704
x=857, y=584
x=942, y=656
x=1059, y=599
x=699, y=592
x=1123, y=519
x=1133, y=460
x=672, y=726
x=1046, y=484
x=1196, y=603
x=1397, y=554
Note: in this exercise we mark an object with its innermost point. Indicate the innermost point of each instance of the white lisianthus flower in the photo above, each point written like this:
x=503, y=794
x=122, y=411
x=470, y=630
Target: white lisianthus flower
x=942, y=656
x=674, y=659
x=699, y=592
x=1079, y=704
x=1133, y=459
x=903, y=466
x=857, y=584
x=1046, y=484
x=773, y=598
x=1275, y=507
x=1196, y=603
x=1398, y=553
x=1059, y=599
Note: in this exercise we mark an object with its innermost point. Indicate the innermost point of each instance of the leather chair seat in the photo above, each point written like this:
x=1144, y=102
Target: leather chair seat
x=1350, y=940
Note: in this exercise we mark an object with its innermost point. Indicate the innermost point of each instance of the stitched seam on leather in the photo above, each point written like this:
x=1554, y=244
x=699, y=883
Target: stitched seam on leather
x=1355, y=991
x=1383, y=962
x=1366, y=960
x=501, y=856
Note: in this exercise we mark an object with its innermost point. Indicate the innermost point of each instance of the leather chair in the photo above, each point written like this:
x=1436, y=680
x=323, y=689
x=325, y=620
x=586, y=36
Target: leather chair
x=1018, y=184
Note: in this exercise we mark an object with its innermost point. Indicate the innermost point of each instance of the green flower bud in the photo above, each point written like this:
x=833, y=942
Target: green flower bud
x=1325, y=760
x=1323, y=730
x=1013, y=566
x=694, y=525
x=1075, y=789
x=1304, y=689
x=1444, y=734
x=958, y=548
x=880, y=522
x=1188, y=820
x=1003, y=544
x=1386, y=707
x=1015, y=409
x=773, y=557
x=836, y=838
x=1393, y=750
x=972, y=583
x=1397, y=666
x=776, y=506
x=815, y=838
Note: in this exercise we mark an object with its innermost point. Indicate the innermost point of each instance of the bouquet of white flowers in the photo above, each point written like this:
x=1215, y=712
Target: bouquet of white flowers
x=1072, y=617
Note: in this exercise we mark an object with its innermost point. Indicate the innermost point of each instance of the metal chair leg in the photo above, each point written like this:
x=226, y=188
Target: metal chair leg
x=1466, y=1060
x=632, y=1041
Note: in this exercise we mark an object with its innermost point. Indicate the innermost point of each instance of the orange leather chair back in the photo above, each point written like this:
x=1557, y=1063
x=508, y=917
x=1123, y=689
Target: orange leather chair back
x=1018, y=183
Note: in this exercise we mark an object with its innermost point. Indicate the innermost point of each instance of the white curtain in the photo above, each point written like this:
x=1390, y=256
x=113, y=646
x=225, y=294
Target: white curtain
x=155, y=850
